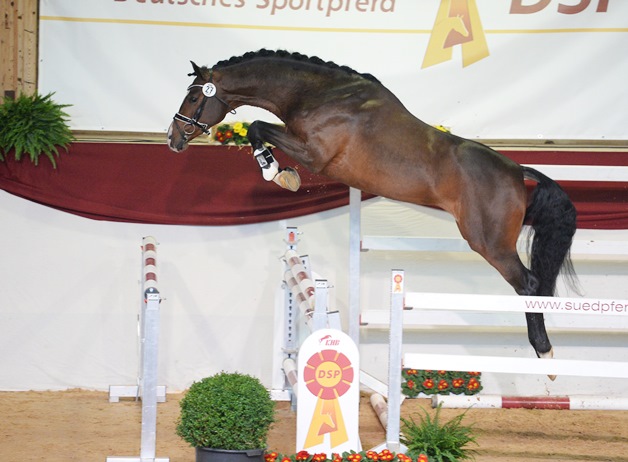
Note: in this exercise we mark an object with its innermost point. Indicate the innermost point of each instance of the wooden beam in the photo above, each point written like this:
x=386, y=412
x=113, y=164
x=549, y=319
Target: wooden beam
x=18, y=47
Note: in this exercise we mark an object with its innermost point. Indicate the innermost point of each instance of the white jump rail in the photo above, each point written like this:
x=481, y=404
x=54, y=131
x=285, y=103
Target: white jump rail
x=456, y=244
x=515, y=303
x=599, y=173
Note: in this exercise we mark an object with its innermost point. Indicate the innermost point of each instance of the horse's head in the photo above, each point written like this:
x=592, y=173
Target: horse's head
x=202, y=108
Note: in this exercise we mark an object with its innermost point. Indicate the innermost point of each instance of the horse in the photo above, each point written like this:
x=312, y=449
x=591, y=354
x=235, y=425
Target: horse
x=349, y=127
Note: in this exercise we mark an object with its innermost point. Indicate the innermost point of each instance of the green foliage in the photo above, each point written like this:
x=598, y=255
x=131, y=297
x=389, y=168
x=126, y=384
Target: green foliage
x=441, y=443
x=229, y=411
x=431, y=382
x=33, y=125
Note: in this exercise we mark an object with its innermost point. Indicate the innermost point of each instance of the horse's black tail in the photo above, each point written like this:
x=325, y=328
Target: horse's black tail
x=552, y=216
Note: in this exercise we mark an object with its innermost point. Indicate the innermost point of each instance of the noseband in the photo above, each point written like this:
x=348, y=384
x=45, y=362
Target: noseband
x=209, y=91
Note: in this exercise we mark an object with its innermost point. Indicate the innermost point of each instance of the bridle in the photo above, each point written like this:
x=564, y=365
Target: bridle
x=209, y=91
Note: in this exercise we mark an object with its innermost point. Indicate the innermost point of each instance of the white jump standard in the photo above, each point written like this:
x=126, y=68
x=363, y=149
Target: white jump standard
x=147, y=388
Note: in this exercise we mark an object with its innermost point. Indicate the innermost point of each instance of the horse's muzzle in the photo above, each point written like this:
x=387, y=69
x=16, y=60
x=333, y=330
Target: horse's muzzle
x=176, y=141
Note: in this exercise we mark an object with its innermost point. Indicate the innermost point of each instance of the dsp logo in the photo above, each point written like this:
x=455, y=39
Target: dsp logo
x=518, y=6
x=458, y=23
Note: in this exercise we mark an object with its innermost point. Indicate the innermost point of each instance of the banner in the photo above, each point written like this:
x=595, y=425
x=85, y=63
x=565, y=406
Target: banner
x=513, y=69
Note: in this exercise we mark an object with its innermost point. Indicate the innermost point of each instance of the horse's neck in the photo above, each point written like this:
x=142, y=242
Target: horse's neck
x=270, y=86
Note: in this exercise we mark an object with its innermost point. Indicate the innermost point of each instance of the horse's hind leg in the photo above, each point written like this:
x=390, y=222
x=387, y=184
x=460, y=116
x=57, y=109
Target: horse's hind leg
x=492, y=231
x=524, y=283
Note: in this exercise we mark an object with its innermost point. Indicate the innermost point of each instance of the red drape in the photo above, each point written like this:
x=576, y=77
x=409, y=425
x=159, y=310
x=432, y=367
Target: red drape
x=218, y=185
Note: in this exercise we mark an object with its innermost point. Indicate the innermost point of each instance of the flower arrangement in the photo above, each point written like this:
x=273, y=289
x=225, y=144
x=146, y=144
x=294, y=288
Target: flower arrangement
x=439, y=382
x=428, y=440
x=362, y=456
x=231, y=133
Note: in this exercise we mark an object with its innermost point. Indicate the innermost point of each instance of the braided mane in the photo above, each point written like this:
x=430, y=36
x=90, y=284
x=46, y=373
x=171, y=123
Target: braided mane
x=263, y=53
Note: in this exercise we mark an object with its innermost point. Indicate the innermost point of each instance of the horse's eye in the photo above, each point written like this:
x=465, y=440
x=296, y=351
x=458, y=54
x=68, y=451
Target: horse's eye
x=193, y=99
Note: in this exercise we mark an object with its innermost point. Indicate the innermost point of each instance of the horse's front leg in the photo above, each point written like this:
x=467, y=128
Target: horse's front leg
x=258, y=134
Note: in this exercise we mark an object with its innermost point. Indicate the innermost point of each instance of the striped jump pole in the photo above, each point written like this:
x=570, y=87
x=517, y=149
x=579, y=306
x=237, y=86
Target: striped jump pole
x=580, y=402
x=292, y=374
x=379, y=405
x=299, y=282
x=147, y=388
x=304, y=309
x=310, y=296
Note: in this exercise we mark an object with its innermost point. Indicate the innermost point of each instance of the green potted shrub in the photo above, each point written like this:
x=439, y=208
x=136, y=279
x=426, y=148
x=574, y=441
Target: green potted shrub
x=226, y=417
x=446, y=442
x=33, y=125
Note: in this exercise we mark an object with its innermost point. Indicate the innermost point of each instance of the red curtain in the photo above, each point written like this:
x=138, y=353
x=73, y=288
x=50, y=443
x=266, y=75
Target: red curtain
x=219, y=185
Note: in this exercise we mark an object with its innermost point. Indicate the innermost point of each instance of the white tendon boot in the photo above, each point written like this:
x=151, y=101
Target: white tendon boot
x=287, y=178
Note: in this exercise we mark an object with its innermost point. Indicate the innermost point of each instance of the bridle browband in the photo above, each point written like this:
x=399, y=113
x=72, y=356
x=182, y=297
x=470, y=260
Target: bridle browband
x=209, y=91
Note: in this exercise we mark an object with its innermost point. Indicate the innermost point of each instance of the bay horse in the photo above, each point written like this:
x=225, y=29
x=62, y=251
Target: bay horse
x=350, y=128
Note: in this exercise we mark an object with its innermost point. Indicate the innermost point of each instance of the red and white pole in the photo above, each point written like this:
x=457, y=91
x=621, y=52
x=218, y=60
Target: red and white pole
x=582, y=402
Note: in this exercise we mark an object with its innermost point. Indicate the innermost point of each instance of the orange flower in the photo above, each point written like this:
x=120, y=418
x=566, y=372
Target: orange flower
x=303, y=455
x=422, y=458
x=473, y=384
x=371, y=455
x=428, y=383
x=270, y=456
x=386, y=455
x=443, y=384
x=320, y=457
x=355, y=457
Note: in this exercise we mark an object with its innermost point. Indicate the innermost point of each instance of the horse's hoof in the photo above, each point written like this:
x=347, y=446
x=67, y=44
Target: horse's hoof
x=289, y=179
x=548, y=355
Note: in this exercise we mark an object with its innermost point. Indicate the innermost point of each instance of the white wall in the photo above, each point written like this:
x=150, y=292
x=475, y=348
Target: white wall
x=70, y=294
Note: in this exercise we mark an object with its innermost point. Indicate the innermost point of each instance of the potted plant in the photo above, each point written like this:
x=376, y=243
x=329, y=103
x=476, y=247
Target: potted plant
x=226, y=417
x=438, y=442
x=33, y=125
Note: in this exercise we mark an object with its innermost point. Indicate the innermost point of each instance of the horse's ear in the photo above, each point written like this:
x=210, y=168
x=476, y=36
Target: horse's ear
x=197, y=70
x=201, y=72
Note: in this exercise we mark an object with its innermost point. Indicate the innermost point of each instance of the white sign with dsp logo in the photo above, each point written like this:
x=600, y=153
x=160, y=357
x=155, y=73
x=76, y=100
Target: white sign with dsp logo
x=329, y=394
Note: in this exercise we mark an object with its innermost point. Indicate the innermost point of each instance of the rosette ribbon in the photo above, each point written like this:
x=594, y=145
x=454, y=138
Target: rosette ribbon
x=328, y=375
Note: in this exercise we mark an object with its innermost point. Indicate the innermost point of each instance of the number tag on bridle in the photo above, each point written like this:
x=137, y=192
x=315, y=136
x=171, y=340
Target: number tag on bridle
x=209, y=89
